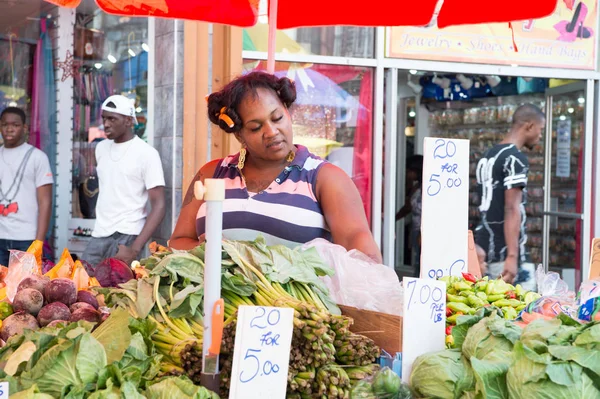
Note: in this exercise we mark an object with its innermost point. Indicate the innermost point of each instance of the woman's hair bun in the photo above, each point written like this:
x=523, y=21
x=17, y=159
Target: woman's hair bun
x=287, y=91
x=215, y=104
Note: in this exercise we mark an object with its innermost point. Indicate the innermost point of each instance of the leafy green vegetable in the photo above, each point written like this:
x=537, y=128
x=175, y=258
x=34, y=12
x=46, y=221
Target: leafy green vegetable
x=443, y=375
x=491, y=335
x=31, y=393
x=181, y=265
x=178, y=387
x=186, y=303
x=114, y=334
x=91, y=358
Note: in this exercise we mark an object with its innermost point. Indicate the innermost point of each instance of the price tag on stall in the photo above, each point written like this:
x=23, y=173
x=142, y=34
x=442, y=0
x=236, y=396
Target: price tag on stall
x=445, y=207
x=4, y=390
x=424, y=320
x=263, y=339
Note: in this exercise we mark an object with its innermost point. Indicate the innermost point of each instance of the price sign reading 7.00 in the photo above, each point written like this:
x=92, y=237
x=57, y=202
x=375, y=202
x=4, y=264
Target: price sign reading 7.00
x=261, y=355
x=445, y=207
x=424, y=320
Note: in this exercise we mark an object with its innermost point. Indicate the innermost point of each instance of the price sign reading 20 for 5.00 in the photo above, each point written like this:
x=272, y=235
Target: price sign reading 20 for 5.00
x=263, y=338
x=445, y=196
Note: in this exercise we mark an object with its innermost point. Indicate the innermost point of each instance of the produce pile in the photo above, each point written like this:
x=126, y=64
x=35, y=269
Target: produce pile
x=467, y=294
x=497, y=359
x=381, y=384
x=325, y=355
x=76, y=360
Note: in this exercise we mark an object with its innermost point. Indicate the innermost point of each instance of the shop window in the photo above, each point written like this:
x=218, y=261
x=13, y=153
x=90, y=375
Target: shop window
x=338, y=41
x=112, y=54
x=332, y=116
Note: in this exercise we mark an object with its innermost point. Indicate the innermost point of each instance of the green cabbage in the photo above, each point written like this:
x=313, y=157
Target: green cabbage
x=443, y=375
x=491, y=336
x=556, y=360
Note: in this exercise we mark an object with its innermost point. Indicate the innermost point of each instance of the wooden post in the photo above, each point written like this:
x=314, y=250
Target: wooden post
x=203, y=141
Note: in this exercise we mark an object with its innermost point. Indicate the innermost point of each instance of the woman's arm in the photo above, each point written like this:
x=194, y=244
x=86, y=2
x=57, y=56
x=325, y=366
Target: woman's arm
x=344, y=211
x=184, y=236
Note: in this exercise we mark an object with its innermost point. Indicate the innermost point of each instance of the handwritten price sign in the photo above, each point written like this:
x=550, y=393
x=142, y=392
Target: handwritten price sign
x=445, y=207
x=262, y=352
x=424, y=323
x=4, y=390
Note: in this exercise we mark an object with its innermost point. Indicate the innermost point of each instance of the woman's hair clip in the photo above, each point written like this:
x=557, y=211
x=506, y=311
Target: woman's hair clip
x=225, y=118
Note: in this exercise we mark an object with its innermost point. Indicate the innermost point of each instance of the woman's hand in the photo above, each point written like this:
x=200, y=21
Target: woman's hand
x=344, y=212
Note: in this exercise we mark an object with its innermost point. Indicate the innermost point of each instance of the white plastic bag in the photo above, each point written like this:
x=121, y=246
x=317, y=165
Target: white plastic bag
x=358, y=281
x=20, y=266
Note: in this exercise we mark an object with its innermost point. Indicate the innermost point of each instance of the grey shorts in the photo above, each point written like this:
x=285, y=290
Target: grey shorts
x=526, y=276
x=100, y=248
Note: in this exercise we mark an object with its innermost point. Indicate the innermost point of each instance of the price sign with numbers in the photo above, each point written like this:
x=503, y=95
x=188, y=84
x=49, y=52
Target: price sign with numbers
x=263, y=339
x=445, y=207
x=4, y=390
x=424, y=323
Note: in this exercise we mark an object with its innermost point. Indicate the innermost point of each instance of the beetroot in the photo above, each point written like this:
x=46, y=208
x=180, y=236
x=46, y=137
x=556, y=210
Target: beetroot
x=28, y=300
x=36, y=282
x=61, y=290
x=112, y=272
x=85, y=314
x=47, y=265
x=16, y=324
x=90, y=270
x=81, y=305
x=58, y=323
x=53, y=311
x=87, y=297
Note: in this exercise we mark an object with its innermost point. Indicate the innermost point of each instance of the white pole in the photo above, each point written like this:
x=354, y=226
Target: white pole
x=272, y=36
x=214, y=194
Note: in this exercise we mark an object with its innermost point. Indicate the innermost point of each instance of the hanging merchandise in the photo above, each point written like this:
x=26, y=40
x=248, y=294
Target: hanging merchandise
x=506, y=87
x=430, y=89
x=531, y=85
x=475, y=86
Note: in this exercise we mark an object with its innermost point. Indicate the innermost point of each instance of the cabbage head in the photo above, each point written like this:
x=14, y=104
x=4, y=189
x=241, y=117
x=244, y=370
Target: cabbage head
x=556, y=359
x=443, y=375
x=491, y=337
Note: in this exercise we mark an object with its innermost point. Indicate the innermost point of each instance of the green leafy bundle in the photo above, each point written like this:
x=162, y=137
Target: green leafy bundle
x=115, y=360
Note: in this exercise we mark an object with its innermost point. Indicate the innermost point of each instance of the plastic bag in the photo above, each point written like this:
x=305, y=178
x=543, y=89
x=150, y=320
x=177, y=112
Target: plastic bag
x=384, y=384
x=556, y=298
x=20, y=266
x=358, y=281
x=588, y=300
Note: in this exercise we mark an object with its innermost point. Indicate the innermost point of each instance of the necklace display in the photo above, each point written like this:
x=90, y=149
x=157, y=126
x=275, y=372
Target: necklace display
x=7, y=206
x=242, y=161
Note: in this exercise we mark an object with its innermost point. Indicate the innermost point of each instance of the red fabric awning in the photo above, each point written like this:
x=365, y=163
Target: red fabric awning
x=302, y=13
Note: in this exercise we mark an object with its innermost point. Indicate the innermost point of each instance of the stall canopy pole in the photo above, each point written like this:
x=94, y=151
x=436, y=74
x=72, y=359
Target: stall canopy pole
x=272, y=36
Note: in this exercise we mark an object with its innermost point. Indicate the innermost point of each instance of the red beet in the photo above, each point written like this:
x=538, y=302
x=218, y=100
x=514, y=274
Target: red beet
x=47, y=265
x=81, y=305
x=87, y=297
x=112, y=272
x=16, y=324
x=36, y=282
x=85, y=314
x=53, y=311
x=88, y=267
x=58, y=323
x=61, y=290
x=29, y=301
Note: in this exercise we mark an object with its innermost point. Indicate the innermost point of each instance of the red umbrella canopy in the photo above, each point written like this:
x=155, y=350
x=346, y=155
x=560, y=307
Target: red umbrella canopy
x=299, y=13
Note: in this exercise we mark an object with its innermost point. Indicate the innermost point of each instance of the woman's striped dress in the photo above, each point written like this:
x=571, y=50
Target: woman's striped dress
x=286, y=213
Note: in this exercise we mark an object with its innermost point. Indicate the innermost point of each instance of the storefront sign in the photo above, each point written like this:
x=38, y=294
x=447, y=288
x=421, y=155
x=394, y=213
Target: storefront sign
x=263, y=338
x=563, y=148
x=565, y=39
x=424, y=320
x=445, y=207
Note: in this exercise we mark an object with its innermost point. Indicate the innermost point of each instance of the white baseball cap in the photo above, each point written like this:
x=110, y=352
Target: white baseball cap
x=124, y=106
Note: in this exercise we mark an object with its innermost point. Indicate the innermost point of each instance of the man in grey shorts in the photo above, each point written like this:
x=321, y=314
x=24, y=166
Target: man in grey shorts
x=502, y=186
x=130, y=175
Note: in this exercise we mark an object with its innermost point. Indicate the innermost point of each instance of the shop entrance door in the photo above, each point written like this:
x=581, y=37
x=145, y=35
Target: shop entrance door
x=563, y=178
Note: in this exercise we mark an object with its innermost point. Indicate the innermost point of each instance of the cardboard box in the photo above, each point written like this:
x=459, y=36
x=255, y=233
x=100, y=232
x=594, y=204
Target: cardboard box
x=385, y=329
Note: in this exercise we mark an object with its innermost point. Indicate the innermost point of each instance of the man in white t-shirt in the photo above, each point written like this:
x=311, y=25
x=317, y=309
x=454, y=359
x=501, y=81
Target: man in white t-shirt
x=130, y=175
x=25, y=187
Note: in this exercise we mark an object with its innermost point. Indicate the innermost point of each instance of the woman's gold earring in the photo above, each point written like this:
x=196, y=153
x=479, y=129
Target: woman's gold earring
x=242, y=158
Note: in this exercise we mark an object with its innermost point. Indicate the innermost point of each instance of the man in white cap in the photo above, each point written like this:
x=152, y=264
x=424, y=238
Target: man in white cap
x=130, y=174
